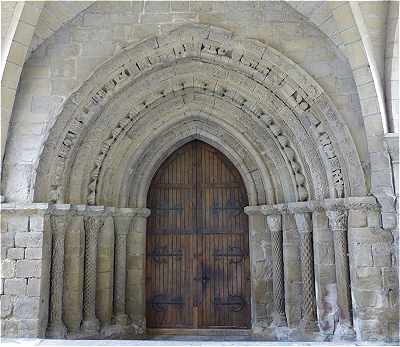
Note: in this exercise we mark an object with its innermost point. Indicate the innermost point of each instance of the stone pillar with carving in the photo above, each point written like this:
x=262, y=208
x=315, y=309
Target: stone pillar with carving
x=90, y=324
x=338, y=225
x=122, y=227
x=304, y=227
x=56, y=327
x=275, y=226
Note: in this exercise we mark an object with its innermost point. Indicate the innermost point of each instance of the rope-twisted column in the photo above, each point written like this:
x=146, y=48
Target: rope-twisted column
x=275, y=226
x=338, y=225
x=56, y=327
x=90, y=323
x=304, y=227
x=122, y=227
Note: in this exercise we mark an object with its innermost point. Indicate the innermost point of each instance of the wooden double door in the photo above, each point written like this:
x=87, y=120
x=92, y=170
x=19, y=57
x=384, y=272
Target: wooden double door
x=197, y=251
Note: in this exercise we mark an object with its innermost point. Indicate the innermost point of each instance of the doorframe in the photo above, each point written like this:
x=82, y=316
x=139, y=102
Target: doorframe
x=253, y=227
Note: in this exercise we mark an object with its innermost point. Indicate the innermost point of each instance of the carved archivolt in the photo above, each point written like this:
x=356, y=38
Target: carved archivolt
x=254, y=78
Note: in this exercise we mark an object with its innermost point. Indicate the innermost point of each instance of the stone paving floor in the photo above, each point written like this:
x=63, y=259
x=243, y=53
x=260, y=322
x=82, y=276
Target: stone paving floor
x=167, y=342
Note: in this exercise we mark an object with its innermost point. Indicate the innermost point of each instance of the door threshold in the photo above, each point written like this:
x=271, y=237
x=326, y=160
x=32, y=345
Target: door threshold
x=200, y=332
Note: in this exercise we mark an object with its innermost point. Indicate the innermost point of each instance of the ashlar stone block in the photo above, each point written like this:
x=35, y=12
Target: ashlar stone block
x=36, y=223
x=15, y=253
x=28, y=268
x=26, y=307
x=17, y=223
x=6, y=306
x=7, y=239
x=33, y=253
x=33, y=288
x=381, y=255
x=8, y=268
x=15, y=286
x=368, y=278
x=31, y=239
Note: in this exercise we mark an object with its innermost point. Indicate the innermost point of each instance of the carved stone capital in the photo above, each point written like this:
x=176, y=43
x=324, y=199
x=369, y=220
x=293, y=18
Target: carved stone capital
x=123, y=224
x=337, y=219
x=274, y=222
x=303, y=222
x=93, y=224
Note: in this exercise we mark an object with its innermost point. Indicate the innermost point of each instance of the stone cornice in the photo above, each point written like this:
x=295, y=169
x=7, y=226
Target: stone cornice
x=350, y=203
x=71, y=209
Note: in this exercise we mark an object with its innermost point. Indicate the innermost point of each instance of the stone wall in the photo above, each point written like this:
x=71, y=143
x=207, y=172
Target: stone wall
x=375, y=283
x=24, y=270
x=58, y=271
x=355, y=264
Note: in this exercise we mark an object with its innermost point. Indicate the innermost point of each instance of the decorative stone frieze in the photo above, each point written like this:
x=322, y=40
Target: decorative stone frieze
x=273, y=75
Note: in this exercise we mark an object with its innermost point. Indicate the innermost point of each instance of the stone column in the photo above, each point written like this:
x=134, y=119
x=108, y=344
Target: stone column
x=56, y=327
x=135, y=296
x=90, y=324
x=275, y=225
x=122, y=226
x=304, y=227
x=338, y=226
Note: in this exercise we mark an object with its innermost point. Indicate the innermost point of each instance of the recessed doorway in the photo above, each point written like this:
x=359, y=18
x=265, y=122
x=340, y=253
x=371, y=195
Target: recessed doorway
x=197, y=248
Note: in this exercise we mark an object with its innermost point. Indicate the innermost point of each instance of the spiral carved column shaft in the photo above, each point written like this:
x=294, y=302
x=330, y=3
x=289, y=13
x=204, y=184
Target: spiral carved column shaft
x=338, y=225
x=122, y=225
x=275, y=225
x=93, y=225
x=304, y=227
x=56, y=326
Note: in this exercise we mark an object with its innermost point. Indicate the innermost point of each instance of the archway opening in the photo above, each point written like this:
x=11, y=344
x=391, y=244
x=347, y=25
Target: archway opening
x=197, y=248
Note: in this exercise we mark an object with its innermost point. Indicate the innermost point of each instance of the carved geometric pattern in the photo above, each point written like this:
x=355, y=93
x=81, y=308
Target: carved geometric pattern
x=278, y=278
x=275, y=226
x=307, y=274
x=92, y=228
x=56, y=325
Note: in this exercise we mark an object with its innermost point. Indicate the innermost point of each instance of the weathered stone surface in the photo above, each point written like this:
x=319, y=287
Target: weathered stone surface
x=6, y=306
x=33, y=288
x=7, y=239
x=28, y=268
x=368, y=278
x=15, y=253
x=17, y=223
x=291, y=144
x=8, y=268
x=31, y=239
x=26, y=307
x=33, y=253
x=15, y=286
x=36, y=223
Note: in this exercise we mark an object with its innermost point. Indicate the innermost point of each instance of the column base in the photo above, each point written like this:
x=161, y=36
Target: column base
x=344, y=331
x=309, y=326
x=279, y=320
x=90, y=327
x=56, y=331
x=121, y=319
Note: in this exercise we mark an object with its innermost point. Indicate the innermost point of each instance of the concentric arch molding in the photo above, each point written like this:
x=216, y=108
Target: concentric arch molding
x=270, y=72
